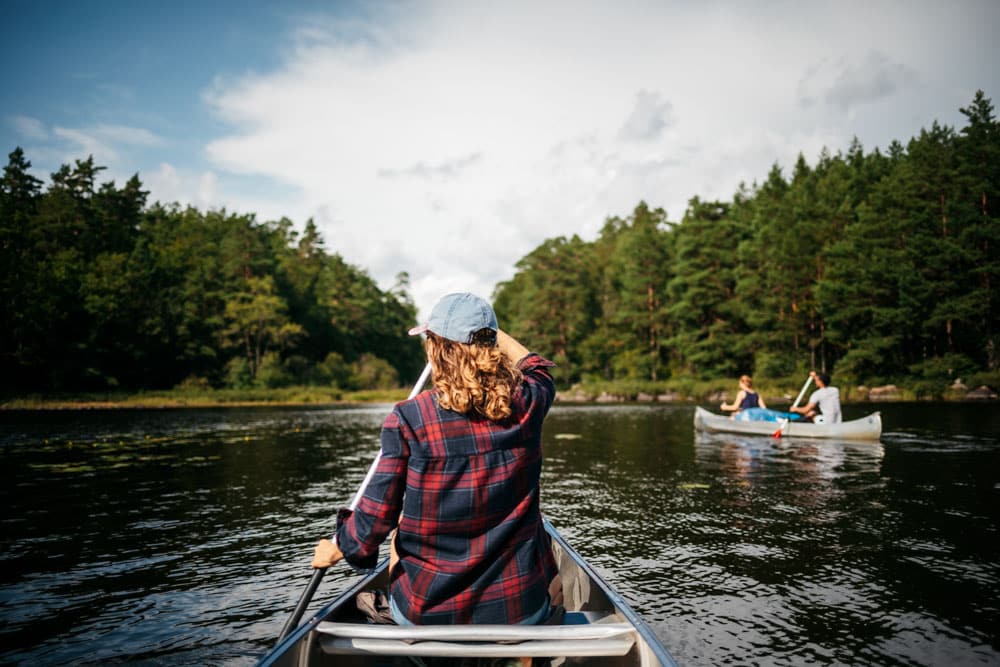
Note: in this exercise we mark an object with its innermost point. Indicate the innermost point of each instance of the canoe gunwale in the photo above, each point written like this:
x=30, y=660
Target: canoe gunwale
x=300, y=634
x=646, y=633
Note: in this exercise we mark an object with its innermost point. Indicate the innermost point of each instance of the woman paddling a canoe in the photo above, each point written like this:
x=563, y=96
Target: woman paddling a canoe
x=746, y=398
x=458, y=482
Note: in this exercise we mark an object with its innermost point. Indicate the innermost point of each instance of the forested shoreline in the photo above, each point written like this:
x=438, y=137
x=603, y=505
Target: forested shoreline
x=101, y=292
x=878, y=267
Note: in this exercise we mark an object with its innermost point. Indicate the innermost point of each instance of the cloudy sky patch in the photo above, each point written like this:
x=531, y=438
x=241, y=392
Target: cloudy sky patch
x=447, y=139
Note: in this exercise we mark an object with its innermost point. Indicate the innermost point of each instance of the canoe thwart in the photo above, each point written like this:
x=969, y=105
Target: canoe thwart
x=474, y=633
x=581, y=634
x=536, y=648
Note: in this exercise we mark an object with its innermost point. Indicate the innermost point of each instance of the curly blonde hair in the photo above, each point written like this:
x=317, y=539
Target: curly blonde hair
x=474, y=378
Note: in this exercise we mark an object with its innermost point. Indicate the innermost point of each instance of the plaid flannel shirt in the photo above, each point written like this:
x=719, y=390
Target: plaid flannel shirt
x=464, y=493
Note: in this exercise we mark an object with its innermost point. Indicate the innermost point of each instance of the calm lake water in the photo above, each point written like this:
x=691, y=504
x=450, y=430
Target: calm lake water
x=184, y=536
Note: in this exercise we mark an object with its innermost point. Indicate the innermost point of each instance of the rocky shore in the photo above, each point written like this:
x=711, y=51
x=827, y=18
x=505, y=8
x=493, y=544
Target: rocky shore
x=859, y=394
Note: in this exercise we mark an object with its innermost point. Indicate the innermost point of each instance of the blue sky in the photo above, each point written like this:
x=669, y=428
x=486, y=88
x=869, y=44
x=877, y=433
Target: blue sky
x=448, y=139
x=125, y=80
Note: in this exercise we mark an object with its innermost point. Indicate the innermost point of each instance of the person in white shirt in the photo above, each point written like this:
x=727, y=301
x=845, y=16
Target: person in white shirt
x=824, y=403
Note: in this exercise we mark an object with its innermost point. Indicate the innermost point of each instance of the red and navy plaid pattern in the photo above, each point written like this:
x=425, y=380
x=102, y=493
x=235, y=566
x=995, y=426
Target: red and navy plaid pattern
x=464, y=493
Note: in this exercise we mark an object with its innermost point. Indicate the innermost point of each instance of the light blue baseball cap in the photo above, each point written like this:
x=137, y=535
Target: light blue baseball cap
x=458, y=317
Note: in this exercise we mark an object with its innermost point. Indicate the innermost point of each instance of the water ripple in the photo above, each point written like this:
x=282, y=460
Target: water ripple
x=184, y=537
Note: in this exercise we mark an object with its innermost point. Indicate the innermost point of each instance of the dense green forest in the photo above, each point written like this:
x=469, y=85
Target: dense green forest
x=99, y=291
x=876, y=267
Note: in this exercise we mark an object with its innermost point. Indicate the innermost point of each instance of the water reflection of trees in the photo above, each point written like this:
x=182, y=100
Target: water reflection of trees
x=757, y=459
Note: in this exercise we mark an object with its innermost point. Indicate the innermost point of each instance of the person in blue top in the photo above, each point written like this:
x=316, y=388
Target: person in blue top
x=746, y=398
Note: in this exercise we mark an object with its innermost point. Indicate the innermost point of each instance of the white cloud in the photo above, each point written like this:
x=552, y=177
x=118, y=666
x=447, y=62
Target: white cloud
x=166, y=185
x=104, y=142
x=204, y=190
x=649, y=118
x=449, y=140
x=444, y=170
x=29, y=128
x=845, y=85
x=85, y=143
x=208, y=190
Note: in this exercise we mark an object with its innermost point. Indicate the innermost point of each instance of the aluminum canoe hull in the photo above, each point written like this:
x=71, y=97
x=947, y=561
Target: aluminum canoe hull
x=867, y=428
x=586, y=596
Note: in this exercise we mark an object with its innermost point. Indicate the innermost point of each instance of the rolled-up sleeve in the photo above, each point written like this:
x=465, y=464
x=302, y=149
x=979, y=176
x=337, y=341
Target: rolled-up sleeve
x=538, y=382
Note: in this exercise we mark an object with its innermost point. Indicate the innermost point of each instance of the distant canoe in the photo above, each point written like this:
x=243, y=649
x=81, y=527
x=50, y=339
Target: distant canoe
x=867, y=428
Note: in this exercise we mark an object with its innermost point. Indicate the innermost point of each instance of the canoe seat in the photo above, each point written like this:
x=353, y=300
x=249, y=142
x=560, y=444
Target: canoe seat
x=581, y=634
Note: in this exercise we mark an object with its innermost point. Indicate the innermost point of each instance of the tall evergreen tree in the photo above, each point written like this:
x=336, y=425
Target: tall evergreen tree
x=552, y=298
x=978, y=153
x=20, y=193
x=702, y=304
x=640, y=263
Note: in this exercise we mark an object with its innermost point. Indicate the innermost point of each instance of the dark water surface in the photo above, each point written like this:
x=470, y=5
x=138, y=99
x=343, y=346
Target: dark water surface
x=184, y=536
